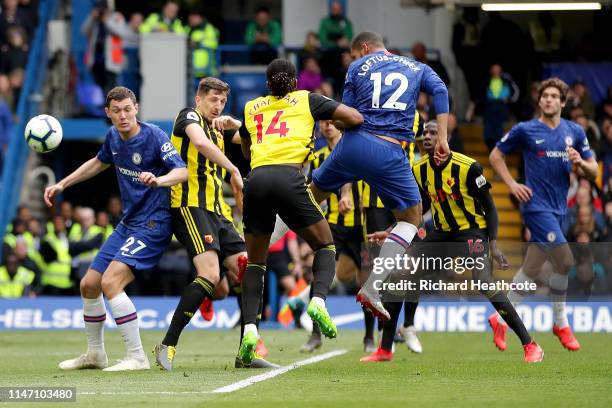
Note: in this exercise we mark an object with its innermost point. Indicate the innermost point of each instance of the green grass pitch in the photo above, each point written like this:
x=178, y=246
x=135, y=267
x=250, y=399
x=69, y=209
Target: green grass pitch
x=456, y=369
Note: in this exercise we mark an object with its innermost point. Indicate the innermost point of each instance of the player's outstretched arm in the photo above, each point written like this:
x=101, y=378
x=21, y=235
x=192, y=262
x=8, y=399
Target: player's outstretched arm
x=86, y=171
x=498, y=162
x=174, y=176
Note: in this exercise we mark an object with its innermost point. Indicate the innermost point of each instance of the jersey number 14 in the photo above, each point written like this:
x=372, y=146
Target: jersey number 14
x=272, y=129
x=393, y=101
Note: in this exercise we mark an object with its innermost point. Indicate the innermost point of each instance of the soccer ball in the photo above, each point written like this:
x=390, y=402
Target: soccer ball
x=43, y=133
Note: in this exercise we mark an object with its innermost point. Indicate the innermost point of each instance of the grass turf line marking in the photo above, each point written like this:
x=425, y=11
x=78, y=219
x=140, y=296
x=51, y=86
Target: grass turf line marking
x=232, y=387
x=277, y=371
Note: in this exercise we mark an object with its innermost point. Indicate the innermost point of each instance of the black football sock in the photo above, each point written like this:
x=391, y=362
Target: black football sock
x=191, y=299
x=388, y=333
x=508, y=313
x=252, y=289
x=409, y=311
x=323, y=269
x=368, y=319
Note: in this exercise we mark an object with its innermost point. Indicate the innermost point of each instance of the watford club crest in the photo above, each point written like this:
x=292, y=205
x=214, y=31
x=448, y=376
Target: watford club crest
x=451, y=182
x=208, y=239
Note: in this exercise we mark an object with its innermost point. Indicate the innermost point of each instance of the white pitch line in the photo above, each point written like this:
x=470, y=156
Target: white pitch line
x=277, y=371
x=232, y=387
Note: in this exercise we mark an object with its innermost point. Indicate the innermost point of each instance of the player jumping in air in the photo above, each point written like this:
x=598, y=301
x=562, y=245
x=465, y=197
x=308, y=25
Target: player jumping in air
x=277, y=137
x=384, y=88
x=146, y=164
x=550, y=146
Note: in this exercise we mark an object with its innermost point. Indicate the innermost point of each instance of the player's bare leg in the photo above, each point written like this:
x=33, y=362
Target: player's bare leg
x=94, y=315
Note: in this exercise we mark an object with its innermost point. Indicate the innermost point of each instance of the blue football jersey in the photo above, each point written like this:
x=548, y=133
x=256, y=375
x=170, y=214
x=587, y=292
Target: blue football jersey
x=547, y=165
x=149, y=151
x=385, y=88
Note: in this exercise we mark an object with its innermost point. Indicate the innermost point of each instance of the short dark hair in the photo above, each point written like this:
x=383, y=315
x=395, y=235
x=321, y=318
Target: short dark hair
x=367, y=37
x=120, y=93
x=262, y=9
x=554, y=83
x=209, y=83
x=281, y=77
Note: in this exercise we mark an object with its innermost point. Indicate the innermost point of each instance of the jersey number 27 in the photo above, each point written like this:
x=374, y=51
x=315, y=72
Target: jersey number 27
x=393, y=101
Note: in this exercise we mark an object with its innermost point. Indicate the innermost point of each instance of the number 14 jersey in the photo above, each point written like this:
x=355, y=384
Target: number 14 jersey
x=282, y=129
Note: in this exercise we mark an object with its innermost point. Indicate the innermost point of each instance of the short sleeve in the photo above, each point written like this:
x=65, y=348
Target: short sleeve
x=476, y=180
x=582, y=143
x=512, y=140
x=321, y=107
x=348, y=91
x=167, y=153
x=243, y=131
x=105, y=155
x=185, y=117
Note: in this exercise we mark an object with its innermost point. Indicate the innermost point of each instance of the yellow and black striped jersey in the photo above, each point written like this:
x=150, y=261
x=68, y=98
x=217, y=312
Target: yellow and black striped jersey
x=451, y=188
x=203, y=187
x=282, y=129
x=334, y=216
x=369, y=199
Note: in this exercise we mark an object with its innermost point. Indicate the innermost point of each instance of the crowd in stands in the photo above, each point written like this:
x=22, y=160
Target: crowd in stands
x=18, y=19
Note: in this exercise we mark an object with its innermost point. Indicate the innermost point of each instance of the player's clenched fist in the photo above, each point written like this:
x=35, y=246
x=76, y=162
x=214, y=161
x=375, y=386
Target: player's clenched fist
x=148, y=179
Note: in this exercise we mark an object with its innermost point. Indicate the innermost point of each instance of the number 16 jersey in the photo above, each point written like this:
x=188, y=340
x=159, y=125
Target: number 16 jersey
x=281, y=129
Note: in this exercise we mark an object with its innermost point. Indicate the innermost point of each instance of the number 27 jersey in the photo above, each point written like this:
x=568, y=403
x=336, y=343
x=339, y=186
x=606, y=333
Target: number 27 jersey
x=384, y=88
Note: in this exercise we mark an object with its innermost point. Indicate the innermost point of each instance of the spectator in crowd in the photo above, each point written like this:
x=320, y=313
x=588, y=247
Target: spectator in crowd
x=6, y=127
x=585, y=223
x=204, y=39
x=591, y=130
x=579, y=96
x=103, y=221
x=130, y=77
x=335, y=34
x=114, y=209
x=325, y=89
x=500, y=92
x=16, y=78
x=56, y=278
x=167, y=21
x=466, y=48
x=530, y=108
x=547, y=36
x=85, y=233
x=263, y=35
x=419, y=53
x=605, y=109
x=15, y=280
x=12, y=15
x=454, y=138
x=6, y=93
x=14, y=54
x=310, y=78
x=335, y=30
x=605, y=152
x=312, y=47
x=283, y=254
x=67, y=213
x=105, y=31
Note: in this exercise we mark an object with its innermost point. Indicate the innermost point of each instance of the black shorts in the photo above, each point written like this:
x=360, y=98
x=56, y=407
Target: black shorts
x=200, y=230
x=278, y=262
x=378, y=219
x=348, y=241
x=471, y=243
x=282, y=190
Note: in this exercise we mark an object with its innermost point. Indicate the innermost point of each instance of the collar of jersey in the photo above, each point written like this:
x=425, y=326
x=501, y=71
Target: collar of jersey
x=433, y=164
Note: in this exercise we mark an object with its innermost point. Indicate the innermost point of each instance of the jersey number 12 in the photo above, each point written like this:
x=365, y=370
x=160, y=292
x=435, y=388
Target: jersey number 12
x=392, y=102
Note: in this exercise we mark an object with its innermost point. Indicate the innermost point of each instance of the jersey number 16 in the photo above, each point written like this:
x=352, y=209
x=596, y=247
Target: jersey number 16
x=392, y=102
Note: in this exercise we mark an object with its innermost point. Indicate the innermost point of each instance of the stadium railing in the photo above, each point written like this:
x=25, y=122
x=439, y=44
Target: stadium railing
x=31, y=95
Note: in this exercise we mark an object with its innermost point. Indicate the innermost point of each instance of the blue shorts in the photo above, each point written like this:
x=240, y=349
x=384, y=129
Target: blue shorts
x=140, y=248
x=545, y=227
x=383, y=165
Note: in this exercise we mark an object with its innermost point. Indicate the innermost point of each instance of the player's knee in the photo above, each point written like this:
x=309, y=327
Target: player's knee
x=90, y=286
x=221, y=290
